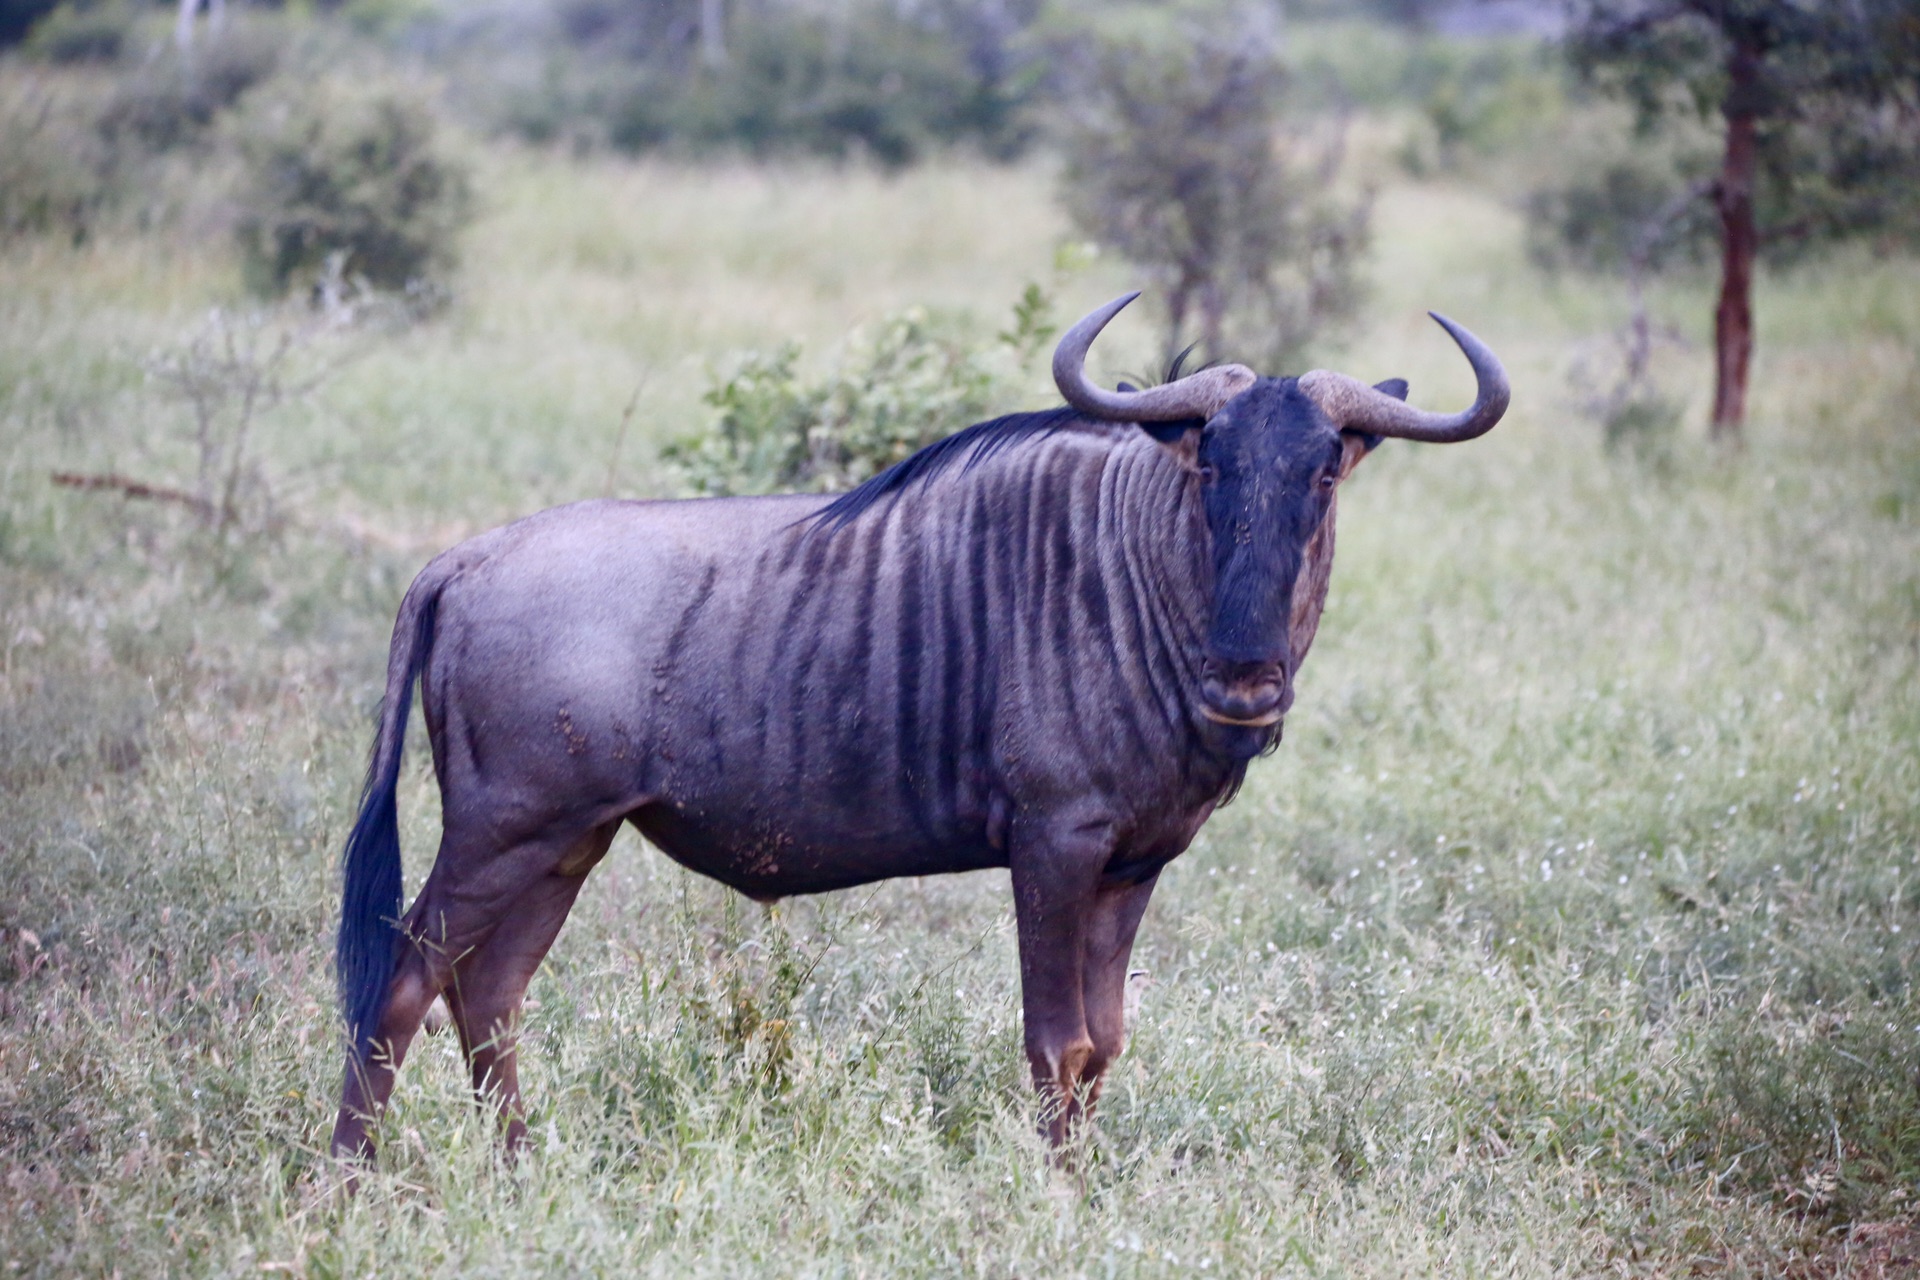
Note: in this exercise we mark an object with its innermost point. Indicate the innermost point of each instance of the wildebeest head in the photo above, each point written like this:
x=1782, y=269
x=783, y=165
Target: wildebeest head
x=1270, y=453
x=1269, y=462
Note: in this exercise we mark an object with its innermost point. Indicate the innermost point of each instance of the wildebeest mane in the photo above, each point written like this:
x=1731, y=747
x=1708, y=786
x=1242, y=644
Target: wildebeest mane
x=976, y=444
x=970, y=446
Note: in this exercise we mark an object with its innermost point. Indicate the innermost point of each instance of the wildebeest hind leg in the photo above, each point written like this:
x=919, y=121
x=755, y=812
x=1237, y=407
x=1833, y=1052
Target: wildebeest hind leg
x=490, y=983
x=419, y=974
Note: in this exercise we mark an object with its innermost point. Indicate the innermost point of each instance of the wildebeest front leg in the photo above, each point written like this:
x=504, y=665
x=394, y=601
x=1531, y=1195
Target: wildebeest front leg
x=1111, y=927
x=1056, y=876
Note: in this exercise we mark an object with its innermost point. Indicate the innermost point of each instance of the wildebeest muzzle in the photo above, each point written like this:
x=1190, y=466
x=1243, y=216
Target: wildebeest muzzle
x=1250, y=694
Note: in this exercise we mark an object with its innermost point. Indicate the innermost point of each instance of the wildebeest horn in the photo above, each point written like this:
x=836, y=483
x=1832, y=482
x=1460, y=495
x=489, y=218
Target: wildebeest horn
x=1198, y=395
x=1355, y=406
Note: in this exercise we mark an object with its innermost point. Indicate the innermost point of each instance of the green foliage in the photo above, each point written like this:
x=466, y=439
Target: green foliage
x=1178, y=157
x=84, y=31
x=1644, y=425
x=172, y=101
x=388, y=19
x=54, y=166
x=890, y=395
x=333, y=168
x=872, y=79
x=872, y=83
x=766, y=414
x=17, y=18
x=1478, y=101
x=1631, y=210
x=1836, y=91
x=1034, y=326
x=79, y=152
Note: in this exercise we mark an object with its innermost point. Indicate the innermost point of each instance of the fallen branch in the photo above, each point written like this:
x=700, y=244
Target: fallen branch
x=134, y=489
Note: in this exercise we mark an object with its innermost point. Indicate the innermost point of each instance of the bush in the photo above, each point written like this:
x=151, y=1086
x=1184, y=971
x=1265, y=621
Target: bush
x=1178, y=159
x=1643, y=426
x=881, y=86
x=84, y=31
x=17, y=18
x=333, y=170
x=1618, y=213
x=77, y=148
x=53, y=169
x=173, y=101
x=776, y=431
x=874, y=79
x=1480, y=103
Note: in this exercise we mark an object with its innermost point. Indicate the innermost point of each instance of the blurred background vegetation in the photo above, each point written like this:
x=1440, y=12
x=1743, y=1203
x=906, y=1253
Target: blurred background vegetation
x=1573, y=930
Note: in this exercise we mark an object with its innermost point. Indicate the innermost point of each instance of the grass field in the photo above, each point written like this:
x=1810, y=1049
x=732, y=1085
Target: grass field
x=1572, y=930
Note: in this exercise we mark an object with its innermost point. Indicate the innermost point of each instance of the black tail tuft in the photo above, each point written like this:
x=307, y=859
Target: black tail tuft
x=370, y=899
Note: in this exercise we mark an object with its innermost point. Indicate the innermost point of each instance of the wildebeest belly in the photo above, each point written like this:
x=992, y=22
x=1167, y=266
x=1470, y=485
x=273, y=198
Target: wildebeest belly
x=766, y=854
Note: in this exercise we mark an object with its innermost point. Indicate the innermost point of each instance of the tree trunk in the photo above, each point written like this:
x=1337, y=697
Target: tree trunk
x=713, y=34
x=1739, y=243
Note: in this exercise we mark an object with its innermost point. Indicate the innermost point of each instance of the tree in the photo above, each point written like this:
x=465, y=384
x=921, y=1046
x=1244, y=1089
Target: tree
x=18, y=16
x=1817, y=104
x=1177, y=159
x=713, y=34
x=183, y=22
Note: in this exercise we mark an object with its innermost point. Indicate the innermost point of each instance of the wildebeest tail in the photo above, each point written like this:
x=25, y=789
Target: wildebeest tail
x=370, y=898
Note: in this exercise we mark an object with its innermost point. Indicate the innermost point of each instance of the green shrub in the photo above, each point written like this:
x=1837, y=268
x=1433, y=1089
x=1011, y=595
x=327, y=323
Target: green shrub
x=1612, y=214
x=1644, y=426
x=908, y=386
x=54, y=175
x=332, y=169
x=874, y=79
x=173, y=101
x=75, y=146
x=84, y=31
x=1182, y=157
x=17, y=18
x=880, y=86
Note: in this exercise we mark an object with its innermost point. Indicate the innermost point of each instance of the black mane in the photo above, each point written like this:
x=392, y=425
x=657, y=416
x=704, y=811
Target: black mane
x=974, y=445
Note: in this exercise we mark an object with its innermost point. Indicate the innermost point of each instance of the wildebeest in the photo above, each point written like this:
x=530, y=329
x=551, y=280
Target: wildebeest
x=1051, y=643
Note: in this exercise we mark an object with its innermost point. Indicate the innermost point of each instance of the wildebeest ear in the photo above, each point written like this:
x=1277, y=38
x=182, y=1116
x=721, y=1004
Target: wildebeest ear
x=1358, y=444
x=1181, y=439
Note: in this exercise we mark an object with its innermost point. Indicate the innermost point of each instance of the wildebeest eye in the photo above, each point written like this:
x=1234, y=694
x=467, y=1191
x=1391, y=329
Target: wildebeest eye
x=1326, y=481
x=1206, y=472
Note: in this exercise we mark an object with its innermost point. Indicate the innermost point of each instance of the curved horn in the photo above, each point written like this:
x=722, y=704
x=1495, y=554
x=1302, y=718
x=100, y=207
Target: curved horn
x=1198, y=395
x=1355, y=406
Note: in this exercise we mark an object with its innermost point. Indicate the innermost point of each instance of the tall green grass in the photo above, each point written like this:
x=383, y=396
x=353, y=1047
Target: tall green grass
x=1571, y=931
